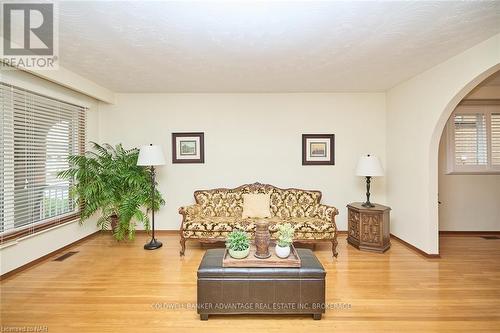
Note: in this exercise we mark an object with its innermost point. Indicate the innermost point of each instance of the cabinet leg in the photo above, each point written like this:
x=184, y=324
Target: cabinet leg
x=204, y=316
x=317, y=316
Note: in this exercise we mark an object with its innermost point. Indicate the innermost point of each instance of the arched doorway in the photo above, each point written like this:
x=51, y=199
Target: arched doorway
x=469, y=163
x=435, y=141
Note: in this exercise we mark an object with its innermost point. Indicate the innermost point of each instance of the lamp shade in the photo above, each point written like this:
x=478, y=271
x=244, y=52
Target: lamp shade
x=150, y=155
x=369, y=166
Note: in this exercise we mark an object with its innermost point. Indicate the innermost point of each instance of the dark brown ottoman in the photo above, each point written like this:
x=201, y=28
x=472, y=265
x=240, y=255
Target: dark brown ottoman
x=231, y=290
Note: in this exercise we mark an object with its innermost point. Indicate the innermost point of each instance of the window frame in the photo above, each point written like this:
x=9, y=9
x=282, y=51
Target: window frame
x=487, y=108
x=37, y=227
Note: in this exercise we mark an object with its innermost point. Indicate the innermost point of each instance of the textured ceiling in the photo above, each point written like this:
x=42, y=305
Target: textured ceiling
x=266, y=46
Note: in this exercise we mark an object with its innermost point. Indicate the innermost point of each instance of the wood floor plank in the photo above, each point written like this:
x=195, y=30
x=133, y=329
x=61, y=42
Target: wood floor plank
x=111, y=286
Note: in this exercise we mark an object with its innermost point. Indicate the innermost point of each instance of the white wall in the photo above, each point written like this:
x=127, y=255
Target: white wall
x=22, y=251
x=417, y=110
x=253, y=137
x=468, y=202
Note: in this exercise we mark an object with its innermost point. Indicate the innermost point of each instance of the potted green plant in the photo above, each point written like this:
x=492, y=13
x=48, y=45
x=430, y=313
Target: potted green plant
x=238, y=244
x=108, y=180
x=285, y=239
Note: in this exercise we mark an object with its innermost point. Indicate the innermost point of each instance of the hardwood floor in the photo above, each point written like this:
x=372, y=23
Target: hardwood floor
x=119, y=287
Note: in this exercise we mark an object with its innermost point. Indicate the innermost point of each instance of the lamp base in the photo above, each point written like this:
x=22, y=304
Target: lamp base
x=367, y=204
x=153, y=245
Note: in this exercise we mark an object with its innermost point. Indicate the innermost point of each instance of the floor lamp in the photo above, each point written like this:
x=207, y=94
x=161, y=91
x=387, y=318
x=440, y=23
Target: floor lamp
x=151, y=156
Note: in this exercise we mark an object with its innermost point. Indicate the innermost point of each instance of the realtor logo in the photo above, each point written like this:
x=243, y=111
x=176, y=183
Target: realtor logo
x=28, y=31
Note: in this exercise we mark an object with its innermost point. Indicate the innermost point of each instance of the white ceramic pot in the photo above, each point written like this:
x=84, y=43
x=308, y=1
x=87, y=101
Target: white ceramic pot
x=239, y=254
x=282, y=251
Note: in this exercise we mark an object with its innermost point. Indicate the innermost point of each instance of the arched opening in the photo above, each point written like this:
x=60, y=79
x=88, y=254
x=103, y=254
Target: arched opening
x=469, y=163
x=435, y=144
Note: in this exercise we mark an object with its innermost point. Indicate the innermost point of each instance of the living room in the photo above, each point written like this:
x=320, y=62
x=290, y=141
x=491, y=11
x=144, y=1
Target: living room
x=259, y=115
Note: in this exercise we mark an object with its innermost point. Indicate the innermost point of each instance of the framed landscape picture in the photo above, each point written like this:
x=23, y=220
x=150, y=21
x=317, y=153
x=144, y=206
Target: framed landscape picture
x=188, y=147
x=318, y=149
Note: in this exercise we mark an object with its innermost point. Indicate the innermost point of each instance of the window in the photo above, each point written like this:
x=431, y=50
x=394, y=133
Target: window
x=37, y=134
x=473, y=137
x=495, y=138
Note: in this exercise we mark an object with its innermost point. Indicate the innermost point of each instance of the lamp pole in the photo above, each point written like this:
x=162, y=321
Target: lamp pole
x=368, y=204
x=150, y=156
x=153, y=244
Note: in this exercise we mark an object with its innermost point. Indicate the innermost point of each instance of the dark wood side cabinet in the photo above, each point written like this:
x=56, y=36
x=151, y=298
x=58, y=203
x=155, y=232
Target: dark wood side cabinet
x=368, y=228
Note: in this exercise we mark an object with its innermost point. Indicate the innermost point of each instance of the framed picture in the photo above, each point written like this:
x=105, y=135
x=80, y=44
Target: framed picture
x=188, y=147
x=318, y=149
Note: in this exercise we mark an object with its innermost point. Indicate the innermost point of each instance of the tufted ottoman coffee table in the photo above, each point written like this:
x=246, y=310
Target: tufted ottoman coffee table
x=235, y=290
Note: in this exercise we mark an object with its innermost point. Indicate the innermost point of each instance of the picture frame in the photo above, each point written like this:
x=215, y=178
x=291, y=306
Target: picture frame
x=318, y=149
x=188, y=147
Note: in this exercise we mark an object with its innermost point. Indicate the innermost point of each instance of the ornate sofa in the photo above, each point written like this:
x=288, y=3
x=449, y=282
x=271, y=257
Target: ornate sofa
x=218, y=211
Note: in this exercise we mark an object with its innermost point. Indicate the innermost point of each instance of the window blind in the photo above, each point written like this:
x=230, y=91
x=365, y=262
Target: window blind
x=38, y=133
x=495, y=139
x=470, y=139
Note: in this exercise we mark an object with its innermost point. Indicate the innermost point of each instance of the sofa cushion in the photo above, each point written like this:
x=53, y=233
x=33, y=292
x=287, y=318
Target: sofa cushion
x=301, y=224
x=311, y=224
x=256, y=205
x=248, y=224
x=221, y=235
x=210, y=223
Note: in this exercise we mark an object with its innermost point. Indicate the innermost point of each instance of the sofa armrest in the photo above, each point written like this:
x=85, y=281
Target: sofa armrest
x=192, y=210
x=326, y=213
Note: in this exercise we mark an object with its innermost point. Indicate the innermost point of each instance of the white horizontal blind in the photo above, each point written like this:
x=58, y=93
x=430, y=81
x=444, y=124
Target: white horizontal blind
x=38, y=133
x=470, y=137
x=495, y=139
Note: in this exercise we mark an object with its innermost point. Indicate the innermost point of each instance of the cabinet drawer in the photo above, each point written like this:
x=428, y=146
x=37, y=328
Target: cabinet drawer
x=353, y=224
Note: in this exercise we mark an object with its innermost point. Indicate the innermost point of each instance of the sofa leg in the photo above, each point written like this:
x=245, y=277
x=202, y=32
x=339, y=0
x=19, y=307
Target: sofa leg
x=334, y=247
x=183, y=245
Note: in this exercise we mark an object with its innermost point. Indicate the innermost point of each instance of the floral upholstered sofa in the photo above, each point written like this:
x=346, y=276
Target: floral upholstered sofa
x=218, y=211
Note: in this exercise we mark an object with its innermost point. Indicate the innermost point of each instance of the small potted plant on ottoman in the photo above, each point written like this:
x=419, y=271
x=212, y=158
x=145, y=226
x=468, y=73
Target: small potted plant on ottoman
x=285, y=238
x=238, y=244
